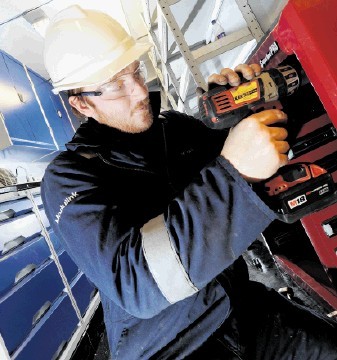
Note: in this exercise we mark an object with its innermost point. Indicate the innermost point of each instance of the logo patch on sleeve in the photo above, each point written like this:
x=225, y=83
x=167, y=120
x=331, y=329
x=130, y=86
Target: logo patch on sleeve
x=66, y=201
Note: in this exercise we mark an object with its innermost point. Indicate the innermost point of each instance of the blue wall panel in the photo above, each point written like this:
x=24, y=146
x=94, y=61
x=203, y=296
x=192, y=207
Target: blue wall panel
x=53, y=107
x=23, y=116
x=23, y=119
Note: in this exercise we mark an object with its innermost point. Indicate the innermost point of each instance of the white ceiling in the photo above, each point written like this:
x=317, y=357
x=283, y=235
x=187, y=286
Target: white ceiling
x=19, y=39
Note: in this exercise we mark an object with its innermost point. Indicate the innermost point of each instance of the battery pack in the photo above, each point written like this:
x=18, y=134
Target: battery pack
x=304, y=198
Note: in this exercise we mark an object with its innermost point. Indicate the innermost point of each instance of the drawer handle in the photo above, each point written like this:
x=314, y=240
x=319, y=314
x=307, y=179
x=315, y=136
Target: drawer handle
x=9, y=245
x=7, y=214
x=24, y=272
x=44, y=308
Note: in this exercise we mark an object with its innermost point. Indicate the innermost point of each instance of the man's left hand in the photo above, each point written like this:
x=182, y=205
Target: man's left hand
x=231, y=77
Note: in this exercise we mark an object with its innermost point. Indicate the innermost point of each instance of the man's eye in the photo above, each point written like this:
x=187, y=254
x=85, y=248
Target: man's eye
x=114, y=86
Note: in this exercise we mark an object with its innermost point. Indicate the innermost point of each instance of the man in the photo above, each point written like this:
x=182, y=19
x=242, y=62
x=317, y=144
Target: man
x=157, y=209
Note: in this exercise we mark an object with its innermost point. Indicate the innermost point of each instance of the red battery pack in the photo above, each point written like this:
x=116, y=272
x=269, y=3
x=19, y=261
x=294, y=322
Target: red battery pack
x=298, y=190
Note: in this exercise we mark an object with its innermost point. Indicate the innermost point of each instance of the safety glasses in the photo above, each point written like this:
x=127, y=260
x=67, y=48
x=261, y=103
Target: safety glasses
x=122, y=86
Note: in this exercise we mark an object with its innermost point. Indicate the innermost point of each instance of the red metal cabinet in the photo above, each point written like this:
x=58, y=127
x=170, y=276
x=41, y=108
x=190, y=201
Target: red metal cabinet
x=305, y=34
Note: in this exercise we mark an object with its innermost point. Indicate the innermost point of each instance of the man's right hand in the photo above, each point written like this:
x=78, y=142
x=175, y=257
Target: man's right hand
x=256, y=149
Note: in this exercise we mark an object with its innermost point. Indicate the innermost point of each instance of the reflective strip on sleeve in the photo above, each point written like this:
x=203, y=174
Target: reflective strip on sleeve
x=164, y=263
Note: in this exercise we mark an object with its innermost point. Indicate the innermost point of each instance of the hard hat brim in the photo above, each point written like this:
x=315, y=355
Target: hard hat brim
x=105, y=70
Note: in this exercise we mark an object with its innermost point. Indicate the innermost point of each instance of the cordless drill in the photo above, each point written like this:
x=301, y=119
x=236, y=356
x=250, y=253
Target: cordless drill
x=224, y=107
x=295, y=190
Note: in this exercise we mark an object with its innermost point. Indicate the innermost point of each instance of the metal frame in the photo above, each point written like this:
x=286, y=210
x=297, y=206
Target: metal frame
x=81, y=328
x=250, y=18
x=153, y=58
x=54, y=255
x=161, y=57
x=183, y=89
x=3, y=350
x=215, y=15
x=163, y=41
x=222, y=45
x=182, y=44
x=166, y=75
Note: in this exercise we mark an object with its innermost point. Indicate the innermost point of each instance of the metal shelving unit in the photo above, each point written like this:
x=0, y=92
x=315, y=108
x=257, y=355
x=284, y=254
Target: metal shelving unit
x=162, y=20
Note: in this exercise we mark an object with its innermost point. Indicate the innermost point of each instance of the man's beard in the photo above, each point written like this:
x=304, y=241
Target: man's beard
x=129, y=126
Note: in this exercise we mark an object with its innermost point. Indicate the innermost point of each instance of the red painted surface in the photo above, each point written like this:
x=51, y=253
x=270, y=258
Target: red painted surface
x=325, y=246
x=308, y=29
x=322, y=294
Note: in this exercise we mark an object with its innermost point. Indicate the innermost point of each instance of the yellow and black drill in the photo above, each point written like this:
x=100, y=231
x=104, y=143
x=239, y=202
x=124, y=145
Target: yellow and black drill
x=223, y=107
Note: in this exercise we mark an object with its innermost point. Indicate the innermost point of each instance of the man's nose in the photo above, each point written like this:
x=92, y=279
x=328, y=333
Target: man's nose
x=140, y=87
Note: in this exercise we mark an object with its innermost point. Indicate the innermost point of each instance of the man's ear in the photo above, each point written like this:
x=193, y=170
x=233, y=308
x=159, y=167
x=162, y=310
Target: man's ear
x=80, y=105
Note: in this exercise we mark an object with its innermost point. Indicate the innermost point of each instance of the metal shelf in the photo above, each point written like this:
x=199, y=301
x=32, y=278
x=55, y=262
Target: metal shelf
x=162, y=20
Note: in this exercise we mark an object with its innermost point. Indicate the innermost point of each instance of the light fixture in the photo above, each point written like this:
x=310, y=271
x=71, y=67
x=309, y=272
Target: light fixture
x=39, y=20
x=11, y=98
x=41, y=26
x=5, y=140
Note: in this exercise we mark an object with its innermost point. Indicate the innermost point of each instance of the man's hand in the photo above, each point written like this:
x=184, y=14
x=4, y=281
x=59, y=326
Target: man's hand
x=231, y=77
x=255, y=148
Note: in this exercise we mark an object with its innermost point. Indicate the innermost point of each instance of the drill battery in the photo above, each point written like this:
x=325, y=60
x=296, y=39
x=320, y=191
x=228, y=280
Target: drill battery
x=298, y=190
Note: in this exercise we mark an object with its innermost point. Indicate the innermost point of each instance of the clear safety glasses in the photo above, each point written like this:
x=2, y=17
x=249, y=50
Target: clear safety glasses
x=121, y=86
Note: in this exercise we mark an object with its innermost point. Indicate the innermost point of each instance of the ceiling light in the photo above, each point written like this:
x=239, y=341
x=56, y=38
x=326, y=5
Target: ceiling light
x=38, y=19
x=41, y=26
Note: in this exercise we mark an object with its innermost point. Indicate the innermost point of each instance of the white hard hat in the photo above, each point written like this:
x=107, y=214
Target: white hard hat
x=87, y=47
